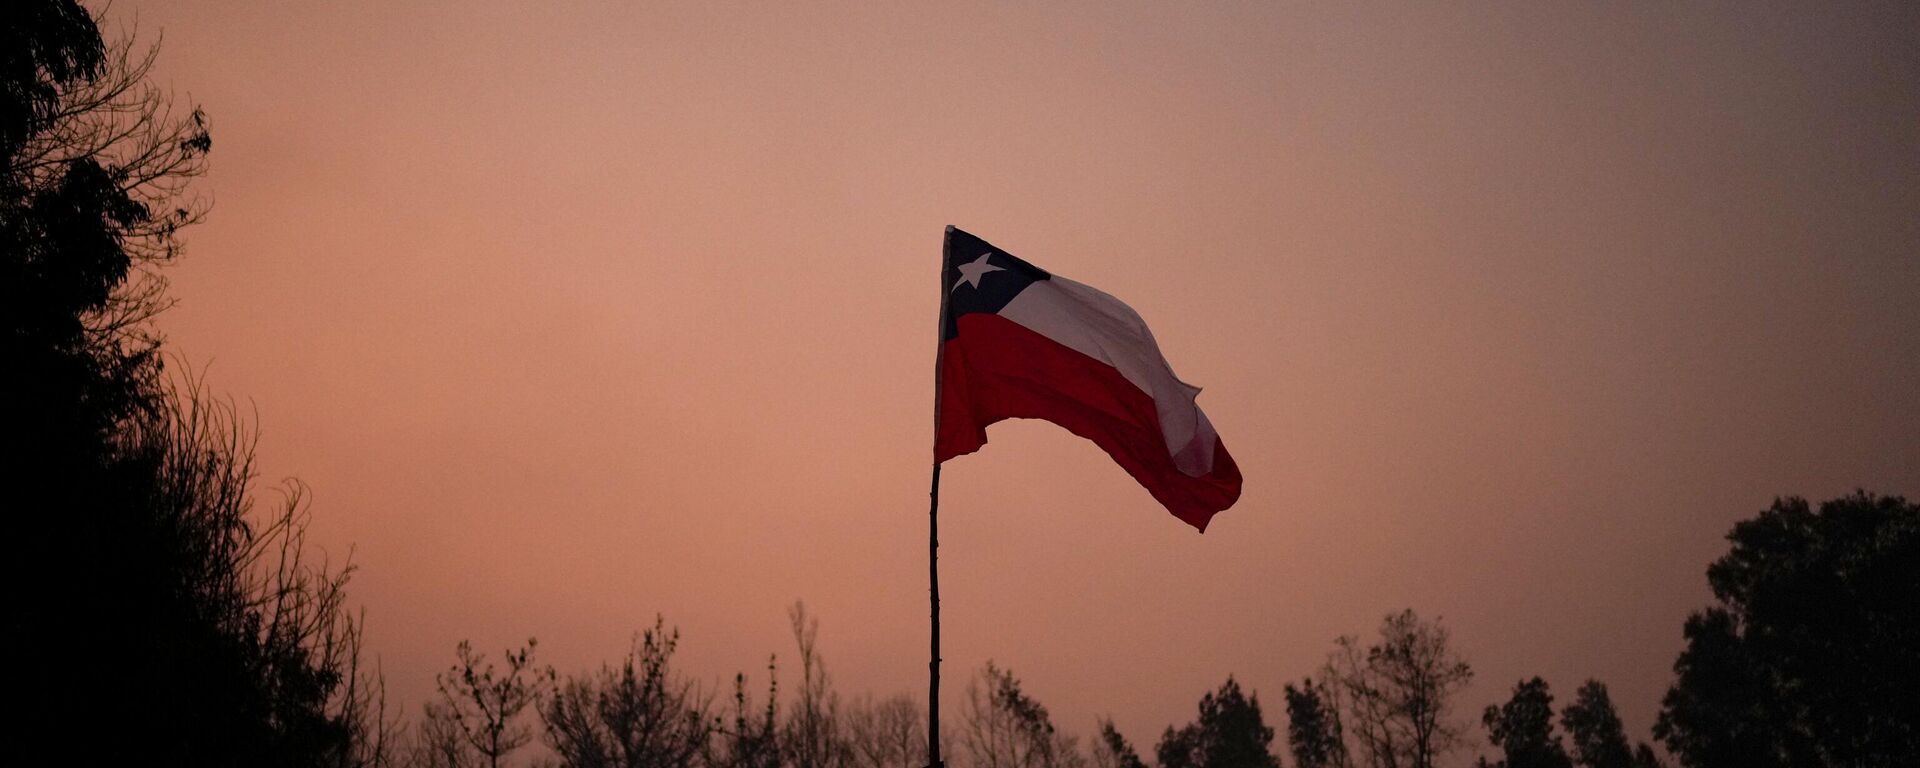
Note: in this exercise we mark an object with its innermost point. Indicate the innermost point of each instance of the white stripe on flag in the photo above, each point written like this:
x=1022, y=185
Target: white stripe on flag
x=1084, y=319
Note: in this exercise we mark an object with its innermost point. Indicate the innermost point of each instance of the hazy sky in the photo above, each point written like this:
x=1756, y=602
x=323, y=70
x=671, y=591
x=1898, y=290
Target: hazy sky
x=573, y=313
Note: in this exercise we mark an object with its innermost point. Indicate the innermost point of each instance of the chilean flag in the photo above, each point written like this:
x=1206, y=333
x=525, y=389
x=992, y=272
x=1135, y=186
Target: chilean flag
x=1020, y=343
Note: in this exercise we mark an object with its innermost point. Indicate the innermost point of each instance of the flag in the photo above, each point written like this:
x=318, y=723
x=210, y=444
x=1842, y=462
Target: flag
x=1018, y=342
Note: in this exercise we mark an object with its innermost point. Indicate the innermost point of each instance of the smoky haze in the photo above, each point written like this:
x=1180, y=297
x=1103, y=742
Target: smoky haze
x=579, y=312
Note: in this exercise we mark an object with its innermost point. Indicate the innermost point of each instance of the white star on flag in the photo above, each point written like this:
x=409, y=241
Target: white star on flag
x=971, y=272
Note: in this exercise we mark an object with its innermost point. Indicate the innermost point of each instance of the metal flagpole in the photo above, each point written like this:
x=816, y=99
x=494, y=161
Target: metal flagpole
x=933, y=522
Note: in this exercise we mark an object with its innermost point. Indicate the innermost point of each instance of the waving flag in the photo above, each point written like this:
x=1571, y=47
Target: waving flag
x=1020, y=343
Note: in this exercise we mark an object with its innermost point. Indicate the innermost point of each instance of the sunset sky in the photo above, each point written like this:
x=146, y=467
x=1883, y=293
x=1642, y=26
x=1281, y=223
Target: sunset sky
x=575, y=313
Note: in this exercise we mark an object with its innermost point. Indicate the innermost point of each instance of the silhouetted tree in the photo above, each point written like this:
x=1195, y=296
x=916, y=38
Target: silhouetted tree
x=148, y=597
x=1006, y=728
x=812, y=735
x=1113, y=750
x=752, y=740
x=1230, y=733
x=91, y=203
x=1808, y=658
x=439, y=742
x=889, y=733
x=485, y=703
x=1523, y=729
x=1314, y=732
x=1397, y=692
x=1599, y=739
x=638, y=716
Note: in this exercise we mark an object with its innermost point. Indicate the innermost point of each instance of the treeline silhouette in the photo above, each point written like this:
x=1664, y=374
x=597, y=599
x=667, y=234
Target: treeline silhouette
x=164, y=612
x=155, y=614
x=1381, y=704
x=1806, y=660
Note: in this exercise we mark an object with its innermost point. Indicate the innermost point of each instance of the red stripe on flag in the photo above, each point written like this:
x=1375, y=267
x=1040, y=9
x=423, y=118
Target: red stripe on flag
x=997, y=369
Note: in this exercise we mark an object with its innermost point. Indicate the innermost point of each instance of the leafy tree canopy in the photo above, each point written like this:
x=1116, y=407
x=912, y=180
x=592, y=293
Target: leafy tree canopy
x=1599, y=739
x=1807, y=659
x=1523, y=729
x=1229, y=734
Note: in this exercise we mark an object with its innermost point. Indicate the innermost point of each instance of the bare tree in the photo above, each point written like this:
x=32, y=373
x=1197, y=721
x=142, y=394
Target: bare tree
x=1369, y=713
x=889, y=733
x=375, y=739
x=752, y=739
x=485, y=703
x=1006, y=728
x=253, y=577
x=1397, y=692
x=437, y=741
x=638, y=716
x=813, y=736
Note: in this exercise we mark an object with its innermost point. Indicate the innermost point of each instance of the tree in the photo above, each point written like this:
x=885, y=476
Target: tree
x=263, y=659
x=1807, y=659
x=812, y=736
x=1229, y=734
x=1113, y=750
x=148, y=592
x=70, y=396
x=93, y=198
x=889, y=733
x=1006, y=728
x=638, y=716
x=1314, y=732
x=752, y=741
x=1599, y=739
x=485, y=703
x=1523, y=729
x=92, y=201
x=1398, y=690
x=439, y=742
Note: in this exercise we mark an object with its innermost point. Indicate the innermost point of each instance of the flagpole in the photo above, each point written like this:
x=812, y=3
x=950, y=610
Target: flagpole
x=933, y=584
x=933, y=519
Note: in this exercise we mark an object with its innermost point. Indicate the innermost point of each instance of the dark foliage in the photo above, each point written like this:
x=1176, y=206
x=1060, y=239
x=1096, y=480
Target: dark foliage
x=1229, y=734
x=1523, y=729
x=1808, y=659
x=1599, y=739
x=1114, y=749
x=1314, y=732
x=161, y=620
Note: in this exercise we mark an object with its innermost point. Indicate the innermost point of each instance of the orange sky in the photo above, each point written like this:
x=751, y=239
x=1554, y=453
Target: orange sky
x=573, y=313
